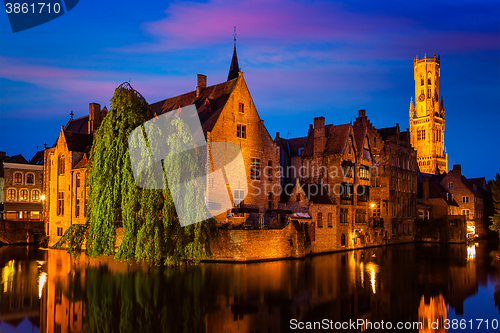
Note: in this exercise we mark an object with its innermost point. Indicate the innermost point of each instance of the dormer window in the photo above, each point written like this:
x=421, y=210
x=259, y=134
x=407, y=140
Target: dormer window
x=241, y=108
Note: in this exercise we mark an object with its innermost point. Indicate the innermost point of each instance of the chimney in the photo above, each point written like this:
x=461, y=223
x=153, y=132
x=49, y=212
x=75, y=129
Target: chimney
x=362, y=113
x=425, y=188
x=319, y=135
x=94, y=117
x=201, y=84
x=457, y=168
x=277, y=135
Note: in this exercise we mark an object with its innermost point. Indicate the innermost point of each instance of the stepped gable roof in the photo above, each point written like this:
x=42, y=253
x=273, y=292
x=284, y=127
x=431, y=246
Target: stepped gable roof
x=291, y=146
x=16, y=159
x=336, y=140
x=37, y=159
x=217, y=96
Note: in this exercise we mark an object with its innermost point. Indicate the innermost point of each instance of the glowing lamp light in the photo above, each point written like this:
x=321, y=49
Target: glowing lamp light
x=372, y=205
x=42, y=197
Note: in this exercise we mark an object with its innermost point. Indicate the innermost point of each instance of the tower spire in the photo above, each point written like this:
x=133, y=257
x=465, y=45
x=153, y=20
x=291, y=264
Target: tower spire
x=234, y=68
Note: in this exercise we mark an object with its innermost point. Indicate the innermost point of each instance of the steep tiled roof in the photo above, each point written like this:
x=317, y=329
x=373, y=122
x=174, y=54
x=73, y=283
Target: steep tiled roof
x=78, y=142
x=78, y=125
x=387, y=132
x=217, y=95
x=16, y=159
x=336, y=140
x=437, y=191
x=359, y=137
x=291, y=146
x=316, y=193
x=37, y=158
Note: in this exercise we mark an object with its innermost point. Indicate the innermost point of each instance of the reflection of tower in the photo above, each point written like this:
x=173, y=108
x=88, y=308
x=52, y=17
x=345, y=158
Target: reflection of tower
x=427, y=117
x=432, y=315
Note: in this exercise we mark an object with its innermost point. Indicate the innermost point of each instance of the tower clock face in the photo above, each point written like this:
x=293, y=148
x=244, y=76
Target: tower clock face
x=421, y=97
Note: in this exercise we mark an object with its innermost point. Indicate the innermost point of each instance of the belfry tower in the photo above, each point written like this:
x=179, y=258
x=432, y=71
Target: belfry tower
x=427, y=117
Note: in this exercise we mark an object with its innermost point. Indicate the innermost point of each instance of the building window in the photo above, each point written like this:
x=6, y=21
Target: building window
x=344, y=213
x=77, y=208
x=270, y=200
x=346, y=191
x=239, y=195
x=255, y=169
x=466, y=213
x=342, y=240
x=320, y=220
x=465, y=199
x=360, y=216
x=420, y=135
x=35, y=195
x=23, y=195
x=241, y=108
x=18, y=178
x=241, y=131
x=60, y=203
x=60, y=165
x=59, y=231
x=450, y=186
x=270, y=171
x=364, y=172
x=77, y=181
x=30, y=178
x=330, y=220
x=11, y=194
x=366, y=154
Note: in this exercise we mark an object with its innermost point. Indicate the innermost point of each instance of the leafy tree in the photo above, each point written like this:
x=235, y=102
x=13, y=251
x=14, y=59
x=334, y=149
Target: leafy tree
x=495, y=218
x=151, y=228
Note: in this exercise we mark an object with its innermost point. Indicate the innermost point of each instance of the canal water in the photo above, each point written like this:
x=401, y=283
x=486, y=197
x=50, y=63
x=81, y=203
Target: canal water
x=364, y=290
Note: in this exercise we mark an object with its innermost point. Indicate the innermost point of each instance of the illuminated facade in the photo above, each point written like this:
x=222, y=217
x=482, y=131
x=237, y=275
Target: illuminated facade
x=427, y=117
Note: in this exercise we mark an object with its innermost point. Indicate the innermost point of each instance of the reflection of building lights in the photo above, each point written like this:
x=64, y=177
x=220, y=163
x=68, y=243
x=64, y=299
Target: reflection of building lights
x=373, y=269
x=8, y=275
x=471, y=252
x=42, y=279
x=362, y=268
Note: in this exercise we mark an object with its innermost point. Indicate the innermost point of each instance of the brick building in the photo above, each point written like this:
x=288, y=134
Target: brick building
x=21, y=188
x=228, y=114
x=65, y=171
x=466, y=193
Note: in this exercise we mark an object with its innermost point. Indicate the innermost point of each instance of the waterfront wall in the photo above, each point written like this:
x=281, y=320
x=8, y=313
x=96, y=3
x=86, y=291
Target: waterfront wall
x=20, y=232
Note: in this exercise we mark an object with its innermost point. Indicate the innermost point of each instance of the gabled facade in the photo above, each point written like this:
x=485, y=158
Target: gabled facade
x=469, y=199
x=65, y=173
x=228, y=114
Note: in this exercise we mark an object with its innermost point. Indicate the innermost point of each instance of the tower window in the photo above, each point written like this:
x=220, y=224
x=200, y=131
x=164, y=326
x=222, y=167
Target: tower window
x=421, y=82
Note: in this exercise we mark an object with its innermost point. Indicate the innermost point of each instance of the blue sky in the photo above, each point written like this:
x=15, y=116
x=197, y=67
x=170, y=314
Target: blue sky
x=301, y=59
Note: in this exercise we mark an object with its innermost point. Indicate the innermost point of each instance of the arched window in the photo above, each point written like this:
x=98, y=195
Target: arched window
x=11, y=194
x=35, y=195
x=342, y=240
x=18, y=178
x=30, y=178
x=23, y=195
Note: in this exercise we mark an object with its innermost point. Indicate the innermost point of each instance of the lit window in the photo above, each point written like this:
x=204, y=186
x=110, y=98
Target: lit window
x=23, y=195
x=11, y=194
x=35, y=195
x=241, y=108
x=18, y=178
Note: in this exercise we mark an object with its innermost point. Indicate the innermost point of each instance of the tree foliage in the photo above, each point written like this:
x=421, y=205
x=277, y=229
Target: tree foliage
x=151, y=228
x=495, y=218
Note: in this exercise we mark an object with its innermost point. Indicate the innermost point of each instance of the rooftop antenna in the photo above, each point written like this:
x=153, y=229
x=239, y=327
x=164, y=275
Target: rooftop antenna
x=288, y=135
x=71, y=114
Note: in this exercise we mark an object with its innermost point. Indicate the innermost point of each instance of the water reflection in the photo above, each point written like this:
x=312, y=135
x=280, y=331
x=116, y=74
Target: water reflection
x=405, y=283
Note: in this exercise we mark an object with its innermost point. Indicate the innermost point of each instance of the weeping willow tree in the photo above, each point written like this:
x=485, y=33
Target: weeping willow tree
x=151, y=228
